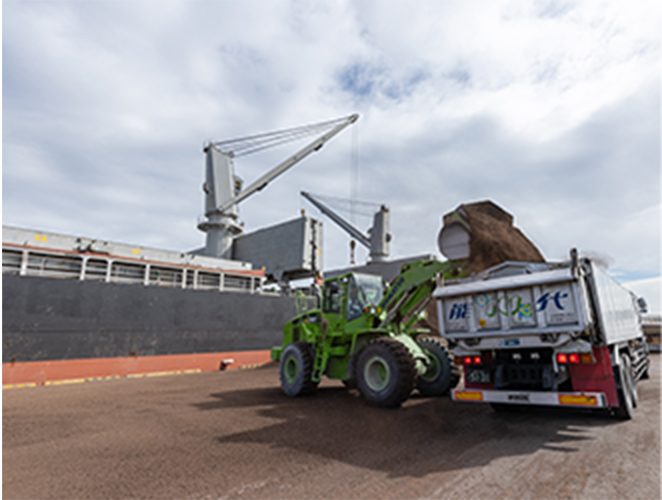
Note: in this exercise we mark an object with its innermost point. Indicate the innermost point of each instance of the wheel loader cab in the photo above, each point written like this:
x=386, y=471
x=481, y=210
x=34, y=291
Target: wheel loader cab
x=365, y=291
x=348, y=296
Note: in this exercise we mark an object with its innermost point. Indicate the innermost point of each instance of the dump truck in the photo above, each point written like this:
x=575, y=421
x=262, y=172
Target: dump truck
x=365, y=334
x=557, y=334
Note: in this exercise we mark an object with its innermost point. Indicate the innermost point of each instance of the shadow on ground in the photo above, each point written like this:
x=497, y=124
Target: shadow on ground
x=425, y=435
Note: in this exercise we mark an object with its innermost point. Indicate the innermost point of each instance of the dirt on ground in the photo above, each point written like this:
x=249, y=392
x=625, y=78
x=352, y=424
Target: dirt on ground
x=233, y=434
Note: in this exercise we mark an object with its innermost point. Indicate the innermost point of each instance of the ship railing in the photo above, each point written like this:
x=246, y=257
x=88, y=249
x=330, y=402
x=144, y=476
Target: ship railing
x=28, y=262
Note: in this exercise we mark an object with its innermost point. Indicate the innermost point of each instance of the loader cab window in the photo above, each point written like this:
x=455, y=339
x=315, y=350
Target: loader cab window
x=355, y=300
x=371, y=288
x=333, y=294
x=363, y=290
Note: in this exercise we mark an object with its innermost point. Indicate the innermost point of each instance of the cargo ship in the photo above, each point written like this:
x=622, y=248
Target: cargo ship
x=77, y=308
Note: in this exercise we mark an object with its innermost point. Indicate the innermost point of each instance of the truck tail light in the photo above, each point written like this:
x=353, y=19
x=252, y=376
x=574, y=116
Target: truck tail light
x=587, y=358
x=574, y=358
x=472, y=360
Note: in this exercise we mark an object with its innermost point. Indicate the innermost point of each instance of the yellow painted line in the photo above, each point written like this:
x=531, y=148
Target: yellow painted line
x=19, y=386
x=65, y=382
x=100, y=379
x=163, y=374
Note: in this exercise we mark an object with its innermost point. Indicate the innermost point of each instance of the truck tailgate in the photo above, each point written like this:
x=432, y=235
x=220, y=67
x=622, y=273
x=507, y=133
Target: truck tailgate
x=526, y=304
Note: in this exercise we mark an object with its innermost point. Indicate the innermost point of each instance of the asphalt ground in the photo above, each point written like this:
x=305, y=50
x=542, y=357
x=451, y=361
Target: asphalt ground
x=233, y=434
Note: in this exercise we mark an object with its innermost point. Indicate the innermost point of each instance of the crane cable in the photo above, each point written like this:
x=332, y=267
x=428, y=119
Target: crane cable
x=353, y=188
x=242, y=146
x=354, y=172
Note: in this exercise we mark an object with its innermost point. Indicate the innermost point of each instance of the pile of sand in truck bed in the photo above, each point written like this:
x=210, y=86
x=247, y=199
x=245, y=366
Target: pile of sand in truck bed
x=493, y=238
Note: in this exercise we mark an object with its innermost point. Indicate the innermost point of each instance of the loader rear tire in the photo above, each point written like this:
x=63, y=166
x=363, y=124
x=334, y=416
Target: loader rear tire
x=385, y=373
x=296, y=369
x=441, y=375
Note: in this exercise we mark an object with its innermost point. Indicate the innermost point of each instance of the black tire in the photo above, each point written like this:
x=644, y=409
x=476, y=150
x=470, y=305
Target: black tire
x=624, y=389
x=296, y=369
x=645, y=375
x=631, y=381
x=349, y=383
x=385, y=373
x=440, y=376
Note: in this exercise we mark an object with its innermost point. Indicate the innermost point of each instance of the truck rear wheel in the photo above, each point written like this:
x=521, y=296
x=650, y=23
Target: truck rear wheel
x=627, y=396
x=385, y=373
x=440, y=376
x=629, y=370
x=296, y=369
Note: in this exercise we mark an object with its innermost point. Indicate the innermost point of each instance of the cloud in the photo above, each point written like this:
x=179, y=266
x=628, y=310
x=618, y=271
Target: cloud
x=550, y=109
x=651, y=290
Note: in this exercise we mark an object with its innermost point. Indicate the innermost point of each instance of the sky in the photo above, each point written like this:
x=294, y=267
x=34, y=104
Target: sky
x=551, y=109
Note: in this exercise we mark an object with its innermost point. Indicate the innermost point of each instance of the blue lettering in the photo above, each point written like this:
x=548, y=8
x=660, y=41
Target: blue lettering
x=458, y=311
x=557, y=299
x=544, y=300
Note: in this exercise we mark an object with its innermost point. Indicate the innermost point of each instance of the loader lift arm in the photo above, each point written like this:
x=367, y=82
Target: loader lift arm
x=411, y=292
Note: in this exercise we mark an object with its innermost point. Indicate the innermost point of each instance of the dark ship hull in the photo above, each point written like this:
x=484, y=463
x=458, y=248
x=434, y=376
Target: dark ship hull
x=59, y=329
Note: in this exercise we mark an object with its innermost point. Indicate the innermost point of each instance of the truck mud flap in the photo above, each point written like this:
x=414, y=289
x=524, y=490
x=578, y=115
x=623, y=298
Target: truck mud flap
x=533, y=398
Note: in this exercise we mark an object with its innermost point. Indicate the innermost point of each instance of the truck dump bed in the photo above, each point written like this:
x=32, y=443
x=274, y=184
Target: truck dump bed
x=518, y=304
x=562, y=334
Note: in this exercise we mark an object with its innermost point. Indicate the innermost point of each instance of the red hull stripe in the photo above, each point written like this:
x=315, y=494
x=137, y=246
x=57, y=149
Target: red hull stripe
x=31, y=373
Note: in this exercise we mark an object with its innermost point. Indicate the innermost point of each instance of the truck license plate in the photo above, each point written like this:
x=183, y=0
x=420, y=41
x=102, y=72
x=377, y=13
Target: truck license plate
x=478, y=376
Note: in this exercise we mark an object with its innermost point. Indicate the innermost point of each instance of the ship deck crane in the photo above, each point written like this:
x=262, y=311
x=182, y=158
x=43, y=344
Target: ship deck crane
x=223, y=189
x=378, y=238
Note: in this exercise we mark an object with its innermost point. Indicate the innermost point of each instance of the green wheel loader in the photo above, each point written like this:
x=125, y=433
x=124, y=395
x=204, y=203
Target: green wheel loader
x=364, y=334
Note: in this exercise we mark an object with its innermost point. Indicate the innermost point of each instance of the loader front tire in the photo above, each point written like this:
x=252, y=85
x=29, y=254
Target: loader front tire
x=296, y=369
x=385, y=373
x=441, y=375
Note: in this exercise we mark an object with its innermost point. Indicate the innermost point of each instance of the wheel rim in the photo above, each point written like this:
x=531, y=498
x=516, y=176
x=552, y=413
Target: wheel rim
x=377, y=373
x=291, y=369
x=434, y=369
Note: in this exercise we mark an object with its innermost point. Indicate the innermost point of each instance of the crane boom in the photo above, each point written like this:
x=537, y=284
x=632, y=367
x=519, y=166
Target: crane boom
x=377, y=241
x=265, y=179
x=353, y=232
